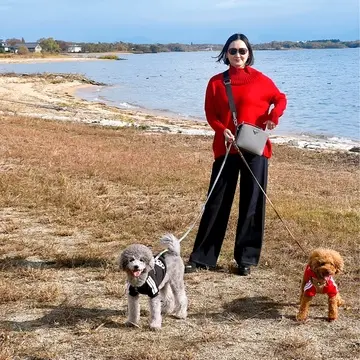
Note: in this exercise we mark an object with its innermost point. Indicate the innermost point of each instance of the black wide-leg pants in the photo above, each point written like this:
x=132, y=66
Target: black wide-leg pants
x=250, y=227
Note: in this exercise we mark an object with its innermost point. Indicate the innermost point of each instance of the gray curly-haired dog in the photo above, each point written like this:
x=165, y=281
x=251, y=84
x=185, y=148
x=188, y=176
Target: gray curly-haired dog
x=154, y=276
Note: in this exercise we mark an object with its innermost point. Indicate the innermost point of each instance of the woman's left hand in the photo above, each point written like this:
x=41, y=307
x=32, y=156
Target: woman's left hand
x=270, y=125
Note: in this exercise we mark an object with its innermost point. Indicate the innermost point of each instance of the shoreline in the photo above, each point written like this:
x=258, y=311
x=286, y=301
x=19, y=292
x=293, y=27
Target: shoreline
x=55, y=97
x=18, y=59
x=305, y=141
x=46, y=59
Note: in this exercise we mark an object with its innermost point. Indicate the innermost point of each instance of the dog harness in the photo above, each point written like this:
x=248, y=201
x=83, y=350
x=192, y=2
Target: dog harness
x=313, y=285
x=154, y=279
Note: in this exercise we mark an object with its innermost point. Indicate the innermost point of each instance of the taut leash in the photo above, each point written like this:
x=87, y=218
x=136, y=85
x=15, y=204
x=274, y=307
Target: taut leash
x=228, y=147
x=210, y=192
x=227, y=83
x=267, y=198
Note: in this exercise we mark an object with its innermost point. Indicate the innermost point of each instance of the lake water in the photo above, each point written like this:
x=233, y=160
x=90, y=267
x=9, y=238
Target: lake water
x=322, y=86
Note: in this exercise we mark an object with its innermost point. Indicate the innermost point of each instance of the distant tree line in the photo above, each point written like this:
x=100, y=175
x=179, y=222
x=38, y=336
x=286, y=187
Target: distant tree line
x=311, y=44
x=48, y=45
x=178, y=47
x=139, y=48
x=51, y=45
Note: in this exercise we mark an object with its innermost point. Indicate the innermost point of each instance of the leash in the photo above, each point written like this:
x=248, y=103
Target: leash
x=227, y=83
x=267, y=198
x=210, y=192
x=228, y=147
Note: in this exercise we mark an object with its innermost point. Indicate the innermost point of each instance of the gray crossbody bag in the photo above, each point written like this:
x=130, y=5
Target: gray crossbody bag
x=248, y=137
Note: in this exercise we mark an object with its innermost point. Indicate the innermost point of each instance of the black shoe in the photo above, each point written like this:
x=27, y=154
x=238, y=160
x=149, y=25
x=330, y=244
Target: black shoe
x=191, y=267
x=243, y=270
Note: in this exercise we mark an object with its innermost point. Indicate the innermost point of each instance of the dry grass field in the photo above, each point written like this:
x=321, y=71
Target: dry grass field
x=72, y=196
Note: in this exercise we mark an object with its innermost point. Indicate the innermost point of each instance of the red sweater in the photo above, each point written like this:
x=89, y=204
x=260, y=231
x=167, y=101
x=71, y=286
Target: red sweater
x=253, y=94
x=329, y=287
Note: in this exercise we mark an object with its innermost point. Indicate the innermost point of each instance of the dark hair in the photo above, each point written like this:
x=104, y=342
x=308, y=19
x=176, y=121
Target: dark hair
x=222, y=56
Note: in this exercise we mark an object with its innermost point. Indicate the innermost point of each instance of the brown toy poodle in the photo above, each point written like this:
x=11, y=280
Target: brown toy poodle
x=318, y=278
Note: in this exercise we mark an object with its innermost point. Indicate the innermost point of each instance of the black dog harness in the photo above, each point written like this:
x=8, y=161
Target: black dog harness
x=154, y=279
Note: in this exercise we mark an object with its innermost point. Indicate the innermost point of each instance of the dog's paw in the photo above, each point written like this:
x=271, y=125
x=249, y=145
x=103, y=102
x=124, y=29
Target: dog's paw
x=332, y=317
x=155, y=326
x=301, y=317
x=167, y=308
x=131, y=324
x=181, y=315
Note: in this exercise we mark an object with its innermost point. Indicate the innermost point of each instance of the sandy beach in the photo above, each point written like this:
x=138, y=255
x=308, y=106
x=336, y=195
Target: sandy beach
x=53, y=97
x=32, y=59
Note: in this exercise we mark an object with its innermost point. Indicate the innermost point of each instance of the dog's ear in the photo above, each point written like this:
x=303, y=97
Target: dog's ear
x=338, y=261
x=313, y=260
x=122, y=261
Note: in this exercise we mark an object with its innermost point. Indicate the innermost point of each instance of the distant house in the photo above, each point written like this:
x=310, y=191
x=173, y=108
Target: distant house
x=4, y=46
x=31, y=46
x=74, y=48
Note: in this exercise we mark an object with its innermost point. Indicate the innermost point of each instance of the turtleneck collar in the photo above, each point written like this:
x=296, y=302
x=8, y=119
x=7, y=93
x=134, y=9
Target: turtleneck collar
x=241, y=76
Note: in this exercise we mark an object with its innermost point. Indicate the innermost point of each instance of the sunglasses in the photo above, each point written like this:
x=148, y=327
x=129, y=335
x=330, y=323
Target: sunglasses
x=241, y=51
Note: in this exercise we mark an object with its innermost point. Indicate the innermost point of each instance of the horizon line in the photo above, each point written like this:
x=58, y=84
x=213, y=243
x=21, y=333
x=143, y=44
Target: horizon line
x=183, y=43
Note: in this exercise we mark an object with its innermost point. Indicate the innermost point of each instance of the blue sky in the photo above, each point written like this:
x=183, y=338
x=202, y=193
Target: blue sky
x=184, y=21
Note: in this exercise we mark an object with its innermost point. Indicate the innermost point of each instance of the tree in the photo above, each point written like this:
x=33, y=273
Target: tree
x=121, y=46
x=49, y=45
x=23, y=50
x=63, y=45
x=154, y=48
x=13, y=41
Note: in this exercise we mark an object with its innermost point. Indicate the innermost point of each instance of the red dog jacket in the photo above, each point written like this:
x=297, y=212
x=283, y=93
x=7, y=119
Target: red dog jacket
x=313, y=285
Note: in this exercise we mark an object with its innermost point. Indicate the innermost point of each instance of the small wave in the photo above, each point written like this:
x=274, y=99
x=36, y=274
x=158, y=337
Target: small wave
x=315, y=142
x=343, y=140
x=327, y=137
x=127, y=105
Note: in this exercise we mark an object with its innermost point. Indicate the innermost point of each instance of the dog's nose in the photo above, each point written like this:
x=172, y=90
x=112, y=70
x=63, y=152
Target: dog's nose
x=326, y=273
x=136, y=267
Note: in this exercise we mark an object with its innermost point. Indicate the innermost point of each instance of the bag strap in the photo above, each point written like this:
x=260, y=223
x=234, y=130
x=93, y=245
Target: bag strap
x=230, y=96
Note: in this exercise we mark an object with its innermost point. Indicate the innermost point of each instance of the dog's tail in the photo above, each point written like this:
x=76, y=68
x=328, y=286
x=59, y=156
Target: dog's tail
x=172, y=243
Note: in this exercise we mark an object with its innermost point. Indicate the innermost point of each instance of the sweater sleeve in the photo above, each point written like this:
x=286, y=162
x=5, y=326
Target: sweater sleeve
x=278, y=99
x=210, y=108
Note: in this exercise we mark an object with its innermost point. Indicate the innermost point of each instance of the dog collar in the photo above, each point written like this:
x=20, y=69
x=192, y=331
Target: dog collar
x=317, y=282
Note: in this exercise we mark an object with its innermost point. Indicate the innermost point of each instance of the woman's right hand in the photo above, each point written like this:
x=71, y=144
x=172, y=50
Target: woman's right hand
x=229, y=136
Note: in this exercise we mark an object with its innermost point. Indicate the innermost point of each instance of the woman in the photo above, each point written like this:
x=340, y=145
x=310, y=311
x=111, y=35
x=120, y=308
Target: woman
x=254, y=94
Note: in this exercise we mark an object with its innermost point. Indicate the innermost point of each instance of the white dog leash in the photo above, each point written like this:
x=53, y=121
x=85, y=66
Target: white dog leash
x=228, y=147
